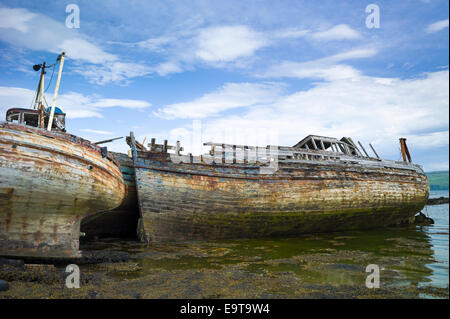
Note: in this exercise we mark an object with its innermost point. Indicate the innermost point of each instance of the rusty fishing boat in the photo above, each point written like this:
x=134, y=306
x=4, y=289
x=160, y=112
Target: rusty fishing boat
x=50, y=180
x=321, y=184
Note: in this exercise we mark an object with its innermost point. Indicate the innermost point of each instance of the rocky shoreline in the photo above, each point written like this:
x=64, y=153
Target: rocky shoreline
x=438, y=201
x=240, y=269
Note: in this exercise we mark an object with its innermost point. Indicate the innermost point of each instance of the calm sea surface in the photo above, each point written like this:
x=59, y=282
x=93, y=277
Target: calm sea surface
x=438, y=238
x=413, y=263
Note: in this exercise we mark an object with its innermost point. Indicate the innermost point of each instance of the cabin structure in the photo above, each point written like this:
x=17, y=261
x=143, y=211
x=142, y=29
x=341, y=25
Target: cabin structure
x=315, y=142
x=37, y=118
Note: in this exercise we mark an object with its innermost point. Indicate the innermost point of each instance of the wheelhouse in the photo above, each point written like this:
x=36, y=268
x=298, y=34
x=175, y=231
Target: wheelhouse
x=37, y=118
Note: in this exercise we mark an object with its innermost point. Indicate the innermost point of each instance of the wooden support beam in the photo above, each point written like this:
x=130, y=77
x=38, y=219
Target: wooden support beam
x=374, y=151
x=322, y=145
x=362, y=147
x=223, y=153
x=152, y=145
x=404, y=149
x=314, y=144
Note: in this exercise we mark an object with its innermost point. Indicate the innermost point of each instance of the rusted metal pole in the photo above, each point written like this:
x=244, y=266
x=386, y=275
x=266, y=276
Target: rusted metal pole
x=52, y=112
x=107, y=141
x=404, y=149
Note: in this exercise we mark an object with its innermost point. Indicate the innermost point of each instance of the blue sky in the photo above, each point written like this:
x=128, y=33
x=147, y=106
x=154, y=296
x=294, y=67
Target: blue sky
x=247, y=72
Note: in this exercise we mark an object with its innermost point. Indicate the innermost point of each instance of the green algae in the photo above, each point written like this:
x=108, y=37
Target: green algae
x=330, y=265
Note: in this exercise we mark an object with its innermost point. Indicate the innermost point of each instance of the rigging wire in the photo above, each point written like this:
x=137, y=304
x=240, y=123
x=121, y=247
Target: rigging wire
x=48, y=85
x=45, y=101
x=53, y=71
x=400, y=156
x=34, y=99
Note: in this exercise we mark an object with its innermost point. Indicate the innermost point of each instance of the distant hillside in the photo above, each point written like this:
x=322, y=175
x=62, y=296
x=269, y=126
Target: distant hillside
x=438, y=180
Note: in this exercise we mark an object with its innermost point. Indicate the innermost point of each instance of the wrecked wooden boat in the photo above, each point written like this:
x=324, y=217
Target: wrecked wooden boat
x=49, y=181
x=121, y=221
x=321, y=184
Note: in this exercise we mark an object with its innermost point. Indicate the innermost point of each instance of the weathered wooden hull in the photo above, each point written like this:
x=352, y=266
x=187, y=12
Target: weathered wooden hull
x=188, y=201
x=121, y=221
x=48, y=182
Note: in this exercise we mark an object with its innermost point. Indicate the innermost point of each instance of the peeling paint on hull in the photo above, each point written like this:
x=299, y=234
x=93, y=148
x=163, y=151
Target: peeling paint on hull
x=121, y=221
x=189, y=201
x=48, y=182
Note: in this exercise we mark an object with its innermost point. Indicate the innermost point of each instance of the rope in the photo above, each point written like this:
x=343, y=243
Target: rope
x=400, y=156
x=51, y=78
x=45, y=101
x=34, y=98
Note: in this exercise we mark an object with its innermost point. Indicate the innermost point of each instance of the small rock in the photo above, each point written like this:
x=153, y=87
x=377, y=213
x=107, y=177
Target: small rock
x=3, y=285
x=93, y=294
x=437, y=201
x=421, y=219
x=16, y=263
x=40, y=267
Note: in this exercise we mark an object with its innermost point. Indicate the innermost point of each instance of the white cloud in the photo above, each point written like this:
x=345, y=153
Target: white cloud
x=125, y=103
x=157, y=44
x=227, y=43
x=167, y=68
x=437, y=26
x=75, y=105
x=24, y=29
x=338, y=32
x=436, y=166
x=313, y=71
x=290, y=33
x=327, y=68
x=231, y=95
x=357, y=53
x=368, y=109
x=99, y=132
x=116, y=72
x=15, y=19
x=39, y=32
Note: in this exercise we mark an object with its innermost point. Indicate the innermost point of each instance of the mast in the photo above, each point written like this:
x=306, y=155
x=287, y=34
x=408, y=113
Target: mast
x=40, y=89
x=52, y=112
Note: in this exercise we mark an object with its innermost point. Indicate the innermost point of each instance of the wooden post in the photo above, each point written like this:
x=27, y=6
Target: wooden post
x=177, y=150
x=223, y=153
x=404, y=149
x=152, y=146
x=245, y=154
x=133, y=146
